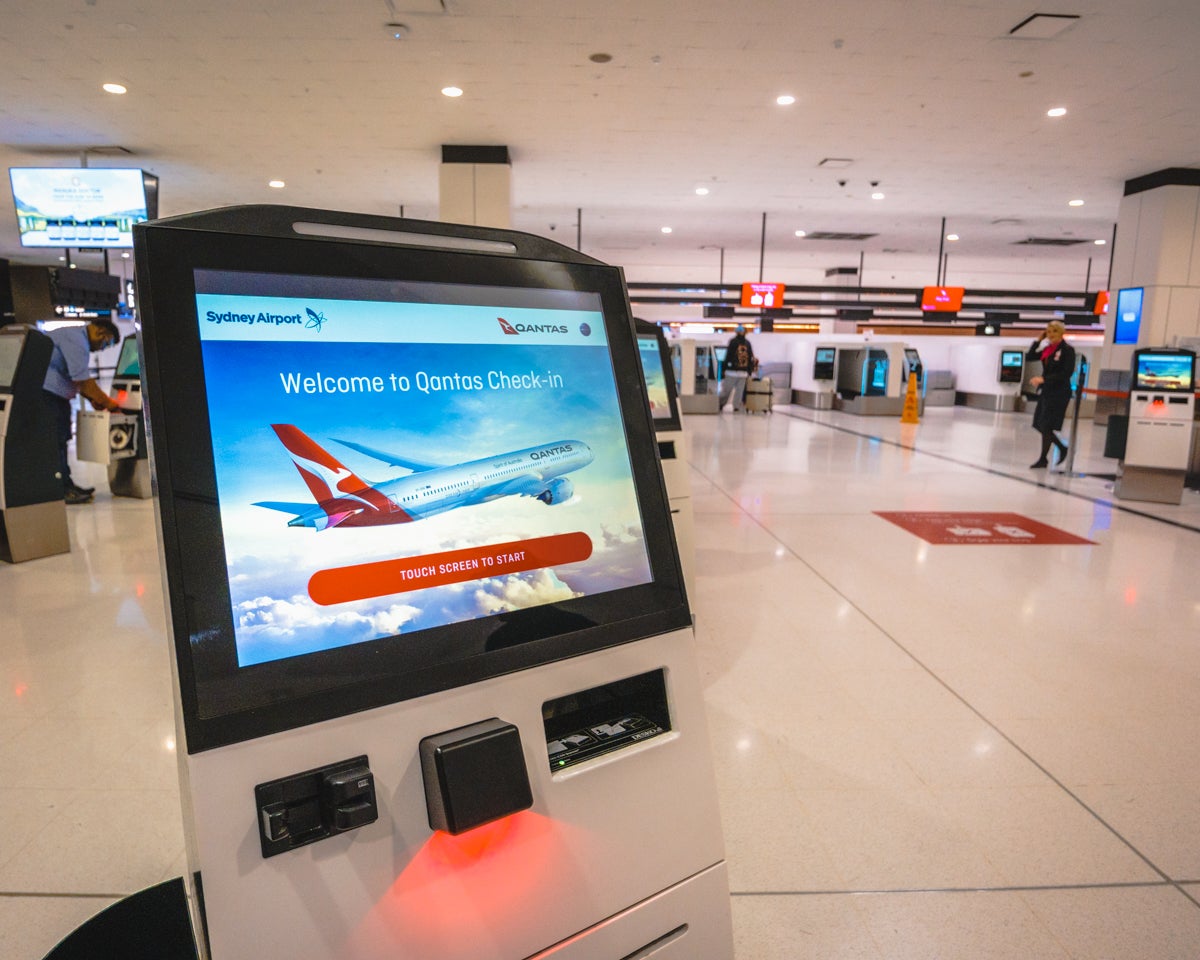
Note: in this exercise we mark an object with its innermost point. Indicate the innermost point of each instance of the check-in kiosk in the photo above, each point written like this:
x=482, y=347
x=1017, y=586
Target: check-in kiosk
x=913, y=365
x=655, y=355
x=128, y=452
x=698, y=372
x=1162, y=406
x=33, y=516
x=871, y=379
x=436, y=682
x=1012, y=367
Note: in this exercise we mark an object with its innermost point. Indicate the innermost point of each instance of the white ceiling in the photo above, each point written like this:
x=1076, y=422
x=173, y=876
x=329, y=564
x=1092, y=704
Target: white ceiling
x=931, y=98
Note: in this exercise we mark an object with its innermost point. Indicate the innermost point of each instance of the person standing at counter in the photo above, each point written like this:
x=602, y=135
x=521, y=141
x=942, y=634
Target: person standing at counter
x=1058, y=363
x=67, y=377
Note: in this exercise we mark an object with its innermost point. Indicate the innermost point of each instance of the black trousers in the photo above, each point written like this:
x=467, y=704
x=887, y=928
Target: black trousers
x=61, y=412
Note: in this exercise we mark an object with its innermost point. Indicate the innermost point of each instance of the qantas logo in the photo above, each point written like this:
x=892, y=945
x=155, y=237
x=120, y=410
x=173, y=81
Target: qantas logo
x=520, y=328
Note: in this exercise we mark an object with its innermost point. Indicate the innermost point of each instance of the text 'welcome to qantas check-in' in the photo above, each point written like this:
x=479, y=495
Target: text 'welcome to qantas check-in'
x=421, y=380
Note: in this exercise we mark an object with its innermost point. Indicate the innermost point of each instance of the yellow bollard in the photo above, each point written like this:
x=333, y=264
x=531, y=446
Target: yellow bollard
x=910, y=401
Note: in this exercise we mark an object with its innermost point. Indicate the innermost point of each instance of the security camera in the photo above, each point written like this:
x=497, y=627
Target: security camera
x=874, y=183
x=841, y=183
x=552, y=226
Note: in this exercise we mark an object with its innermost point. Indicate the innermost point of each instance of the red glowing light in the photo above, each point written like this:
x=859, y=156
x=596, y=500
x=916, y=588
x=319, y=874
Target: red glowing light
x=467, y=848
x=140, y=589
x=1130, y=596
x=122, y=396
x=20, y=689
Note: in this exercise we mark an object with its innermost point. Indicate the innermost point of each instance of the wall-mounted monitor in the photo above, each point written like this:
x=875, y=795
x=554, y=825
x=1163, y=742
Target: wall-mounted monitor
x=1164, y=370
x=1012, y=366
x=385, y=472
x=1097, y=303
x=942, y=299
x=1127, y=323
x=655, y=356
x=81, y=207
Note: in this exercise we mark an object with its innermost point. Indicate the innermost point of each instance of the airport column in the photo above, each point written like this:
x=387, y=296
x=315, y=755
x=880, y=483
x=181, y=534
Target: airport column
x=1158, y=250
x=475, y=186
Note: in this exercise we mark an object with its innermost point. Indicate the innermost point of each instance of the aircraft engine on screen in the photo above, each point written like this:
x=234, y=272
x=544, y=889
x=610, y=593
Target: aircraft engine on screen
x=558, y=490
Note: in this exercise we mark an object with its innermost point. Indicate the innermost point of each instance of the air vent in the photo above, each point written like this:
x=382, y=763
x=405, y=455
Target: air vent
x=1049, y=242
x=51, y=150
x=835, y=163
x=829, y=235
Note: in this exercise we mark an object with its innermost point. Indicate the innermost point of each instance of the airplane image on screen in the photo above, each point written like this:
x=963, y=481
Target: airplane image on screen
x=344, y=499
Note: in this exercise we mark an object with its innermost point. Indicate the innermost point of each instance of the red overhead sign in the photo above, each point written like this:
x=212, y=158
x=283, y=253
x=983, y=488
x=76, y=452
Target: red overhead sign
x=942, y=299
x=762, y=295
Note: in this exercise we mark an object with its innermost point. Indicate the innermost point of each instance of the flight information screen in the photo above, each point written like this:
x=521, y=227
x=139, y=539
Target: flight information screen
x=392, y=458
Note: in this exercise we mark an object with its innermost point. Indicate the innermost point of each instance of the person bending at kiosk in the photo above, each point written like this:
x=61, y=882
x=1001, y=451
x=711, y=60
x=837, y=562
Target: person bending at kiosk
x=736, y=368
x=1058, y=363
x=68, y=377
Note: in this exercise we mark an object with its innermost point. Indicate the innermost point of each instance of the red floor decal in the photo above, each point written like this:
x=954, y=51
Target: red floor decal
x=974, y=528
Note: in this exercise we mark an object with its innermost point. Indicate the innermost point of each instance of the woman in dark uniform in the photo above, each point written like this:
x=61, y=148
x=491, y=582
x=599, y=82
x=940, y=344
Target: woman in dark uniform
x=1058, y=363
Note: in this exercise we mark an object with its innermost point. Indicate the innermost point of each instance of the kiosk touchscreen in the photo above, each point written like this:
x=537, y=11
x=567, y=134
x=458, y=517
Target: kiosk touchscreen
x=823, y=363
x=1012, y=366
x=436, y=685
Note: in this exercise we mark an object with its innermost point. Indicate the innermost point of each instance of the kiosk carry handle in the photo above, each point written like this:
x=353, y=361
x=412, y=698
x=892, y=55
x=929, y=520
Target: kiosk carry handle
x=298, y=223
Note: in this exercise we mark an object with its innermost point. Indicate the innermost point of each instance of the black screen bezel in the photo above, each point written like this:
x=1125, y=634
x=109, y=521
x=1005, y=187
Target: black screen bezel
x=1144, y=352
x=221, y=705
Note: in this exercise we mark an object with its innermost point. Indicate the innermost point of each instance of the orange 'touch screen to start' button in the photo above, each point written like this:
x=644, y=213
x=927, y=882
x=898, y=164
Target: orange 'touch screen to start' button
x=362, y=581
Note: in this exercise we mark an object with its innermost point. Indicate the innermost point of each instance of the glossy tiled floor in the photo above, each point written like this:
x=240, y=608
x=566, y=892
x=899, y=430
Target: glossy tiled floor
x=922, y=751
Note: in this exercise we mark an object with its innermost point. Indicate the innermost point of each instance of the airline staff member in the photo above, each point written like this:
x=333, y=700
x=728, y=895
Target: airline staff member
x=66, y=378
x=1058, y=363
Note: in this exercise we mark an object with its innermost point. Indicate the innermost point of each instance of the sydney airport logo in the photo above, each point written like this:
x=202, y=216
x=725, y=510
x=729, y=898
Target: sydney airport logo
x=515, y=330
x=312, y=319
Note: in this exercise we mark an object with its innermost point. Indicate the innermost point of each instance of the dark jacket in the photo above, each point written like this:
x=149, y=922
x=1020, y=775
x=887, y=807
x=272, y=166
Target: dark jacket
x=739, y=355
x=1055, y=394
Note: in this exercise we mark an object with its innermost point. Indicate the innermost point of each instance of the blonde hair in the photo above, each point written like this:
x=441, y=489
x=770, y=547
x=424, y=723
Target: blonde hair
x=1056, y=325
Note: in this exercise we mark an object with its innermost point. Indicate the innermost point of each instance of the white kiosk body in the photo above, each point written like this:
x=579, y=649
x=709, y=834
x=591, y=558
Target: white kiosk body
x=1162, y=408
x=451, y=712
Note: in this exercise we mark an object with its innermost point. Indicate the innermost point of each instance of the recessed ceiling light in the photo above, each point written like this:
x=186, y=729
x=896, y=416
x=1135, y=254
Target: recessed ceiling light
x=802, y=233
x=952, y=236
x=1099, y=243
x=666, y=229
x=452, y=91
x=785, y=100
x=277, y=184
x=1074, y=203
x=1056, y=112
x=117, y=88
x=877, y=195
x=125, y=255
x=702, y=191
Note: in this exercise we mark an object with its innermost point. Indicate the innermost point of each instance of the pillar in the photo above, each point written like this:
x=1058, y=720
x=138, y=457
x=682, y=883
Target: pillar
x=1157, y=248
x=475, y=186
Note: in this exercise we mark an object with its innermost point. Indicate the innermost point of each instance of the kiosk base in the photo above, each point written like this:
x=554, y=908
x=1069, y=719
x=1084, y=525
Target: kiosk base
x=999, y=402
x=813, y=399
x=1150, y=484
x=130, y=478
x=34, y=531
